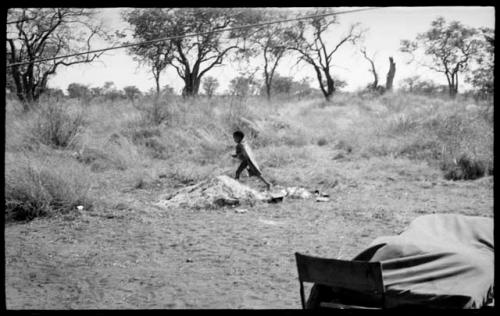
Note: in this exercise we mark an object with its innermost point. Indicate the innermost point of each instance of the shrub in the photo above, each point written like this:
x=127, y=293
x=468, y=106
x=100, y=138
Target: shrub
x=156, y=148
x=56, y=126
x=343, y=145
x=400, y=124
x=420, y=149
x=98, y=159
x=149, y=138
x=465, y=168
x=58, y=186
x=322, y=141
x=154, y=113
x=142, y=134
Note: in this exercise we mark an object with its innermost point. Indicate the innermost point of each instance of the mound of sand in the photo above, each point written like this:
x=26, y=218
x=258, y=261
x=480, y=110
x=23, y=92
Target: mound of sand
x=223, y=190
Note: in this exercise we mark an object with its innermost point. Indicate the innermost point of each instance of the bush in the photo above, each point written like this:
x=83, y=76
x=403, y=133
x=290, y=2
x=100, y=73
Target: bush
x=465, y=168
x=49, y=188
x=154, y=113
x=322, y=141
x=140, y=135
x=150, y=139
x=156, y=148
x=56, y=126
x=343, y=145
x=98, y=159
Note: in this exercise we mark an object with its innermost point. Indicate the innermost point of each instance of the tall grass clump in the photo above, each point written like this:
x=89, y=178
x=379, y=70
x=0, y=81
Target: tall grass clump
x=56, y=124
x=443, y=132
x=154, y=111
x=37, y=187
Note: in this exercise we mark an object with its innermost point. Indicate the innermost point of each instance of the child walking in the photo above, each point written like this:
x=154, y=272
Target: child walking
x=244, y=153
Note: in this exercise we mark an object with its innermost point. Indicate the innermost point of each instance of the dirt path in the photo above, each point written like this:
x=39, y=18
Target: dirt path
x=144, y=257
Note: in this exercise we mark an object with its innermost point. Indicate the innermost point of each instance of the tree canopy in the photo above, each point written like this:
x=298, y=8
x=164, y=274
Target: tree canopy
x=192, y=56
x=450, y=46
x=308, y=39
x=40, y=33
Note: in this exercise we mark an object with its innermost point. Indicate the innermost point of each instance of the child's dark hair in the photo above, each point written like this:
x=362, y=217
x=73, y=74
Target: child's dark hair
x=238, y=134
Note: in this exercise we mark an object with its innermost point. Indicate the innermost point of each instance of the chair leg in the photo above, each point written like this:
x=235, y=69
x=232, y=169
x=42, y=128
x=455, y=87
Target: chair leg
x=302, y=298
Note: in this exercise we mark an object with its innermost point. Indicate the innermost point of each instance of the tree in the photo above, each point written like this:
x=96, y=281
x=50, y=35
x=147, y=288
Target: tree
x=243, y=86
x=131, y=92
x=53, y=93
x=301, y=88
x=390, y=74
x=110, y=92
x=78, y=91
x=156, y=55
x=210, y=84
x=482, y=77
x=96, y=92
x=167, y=90
x=450, y=48
x=415, y=84
x=281, y=85
x=308, y=40
x=191, y=56
x=372, y=69
x=339, y=83
x=108, y=85
x=429, y=87
x=40, y=33
x=270, y=42
x=409, y=83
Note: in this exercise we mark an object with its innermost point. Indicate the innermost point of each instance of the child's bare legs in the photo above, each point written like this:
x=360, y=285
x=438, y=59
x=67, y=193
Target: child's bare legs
x=242, y=167
x=268, y=184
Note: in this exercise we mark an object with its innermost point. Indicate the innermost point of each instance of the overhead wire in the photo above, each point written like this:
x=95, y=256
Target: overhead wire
x=188, y=35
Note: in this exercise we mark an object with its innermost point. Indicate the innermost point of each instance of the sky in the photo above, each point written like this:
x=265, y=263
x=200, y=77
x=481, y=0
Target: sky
x=387, y=26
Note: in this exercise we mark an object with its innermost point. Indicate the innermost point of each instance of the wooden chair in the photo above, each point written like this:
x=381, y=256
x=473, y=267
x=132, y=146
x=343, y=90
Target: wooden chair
x=359, y=283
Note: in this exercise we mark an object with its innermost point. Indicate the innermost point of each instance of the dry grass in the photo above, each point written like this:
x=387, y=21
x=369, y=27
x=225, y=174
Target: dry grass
x=43, y=186
x=297, y=143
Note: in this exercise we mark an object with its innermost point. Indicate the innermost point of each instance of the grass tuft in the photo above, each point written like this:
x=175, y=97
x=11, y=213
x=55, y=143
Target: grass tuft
x=56, y=125
x=40, y=187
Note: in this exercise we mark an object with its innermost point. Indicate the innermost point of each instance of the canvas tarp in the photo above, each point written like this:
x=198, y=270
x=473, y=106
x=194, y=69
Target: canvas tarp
x=246, y=154
x=439, y=261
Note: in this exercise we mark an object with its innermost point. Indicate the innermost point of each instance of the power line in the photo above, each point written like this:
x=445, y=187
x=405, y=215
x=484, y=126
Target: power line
x=188, y=35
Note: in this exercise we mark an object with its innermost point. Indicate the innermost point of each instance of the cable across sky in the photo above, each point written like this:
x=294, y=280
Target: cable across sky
x=189, y=35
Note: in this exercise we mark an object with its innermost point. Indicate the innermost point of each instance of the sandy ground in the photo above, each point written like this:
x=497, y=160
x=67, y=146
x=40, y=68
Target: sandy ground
x=141, y=256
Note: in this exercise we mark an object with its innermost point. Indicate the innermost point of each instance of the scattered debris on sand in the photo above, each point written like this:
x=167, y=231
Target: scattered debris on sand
x=226, y=191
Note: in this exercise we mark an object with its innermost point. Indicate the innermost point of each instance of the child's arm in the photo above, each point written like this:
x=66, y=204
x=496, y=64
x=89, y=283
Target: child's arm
x=238, y=151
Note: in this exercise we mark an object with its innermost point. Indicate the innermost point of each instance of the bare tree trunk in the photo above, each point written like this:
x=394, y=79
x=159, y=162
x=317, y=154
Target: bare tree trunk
x=373, y=70
x=330, y=85
x=453, y=85
x=390, y=74
x=375, y=76
x=157, y=80
x=191, y=85
x=267, y=80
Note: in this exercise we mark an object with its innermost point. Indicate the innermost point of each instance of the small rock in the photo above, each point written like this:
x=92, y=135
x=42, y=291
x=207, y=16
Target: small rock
x=79, y=207
x=322, y=199
x=189, y=260
x=242, y=210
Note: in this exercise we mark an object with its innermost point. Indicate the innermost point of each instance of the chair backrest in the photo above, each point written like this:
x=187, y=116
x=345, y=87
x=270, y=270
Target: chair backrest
x=357, y=276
